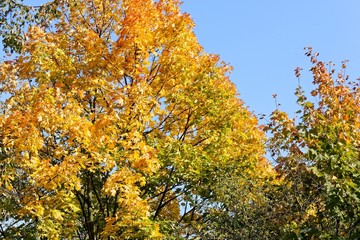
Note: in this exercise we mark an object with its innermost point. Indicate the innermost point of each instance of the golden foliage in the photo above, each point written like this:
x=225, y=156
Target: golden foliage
x=100, y=108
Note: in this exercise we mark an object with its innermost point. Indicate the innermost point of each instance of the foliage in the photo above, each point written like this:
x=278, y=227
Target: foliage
x=15, y=17
x=317, y=157
x=118, y=125
x=243, y=207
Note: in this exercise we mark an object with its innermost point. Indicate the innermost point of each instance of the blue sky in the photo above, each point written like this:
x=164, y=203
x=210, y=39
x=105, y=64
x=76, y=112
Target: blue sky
x=263, y=40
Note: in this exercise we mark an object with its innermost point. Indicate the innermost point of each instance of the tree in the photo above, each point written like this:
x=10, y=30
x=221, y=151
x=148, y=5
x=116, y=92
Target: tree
x=317, y=156
x=15, y=18
x=117, y=124
x=243, y=207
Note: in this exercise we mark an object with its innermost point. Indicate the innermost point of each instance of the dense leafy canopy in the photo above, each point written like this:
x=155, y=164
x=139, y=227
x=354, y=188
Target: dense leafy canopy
x=116, y=124
x=318, y=157
x=15, y=18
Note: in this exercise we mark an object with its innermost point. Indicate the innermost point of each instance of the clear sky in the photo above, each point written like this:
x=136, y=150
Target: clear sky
x=263, y=40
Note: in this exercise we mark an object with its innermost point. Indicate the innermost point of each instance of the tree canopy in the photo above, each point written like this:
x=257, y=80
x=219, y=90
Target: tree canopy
x=116, y=124
x=318, y=155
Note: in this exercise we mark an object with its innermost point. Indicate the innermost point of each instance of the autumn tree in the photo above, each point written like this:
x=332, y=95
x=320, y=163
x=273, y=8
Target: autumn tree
x=116, y=124
x=317, y=156
x=16, y=17
x=244, y=208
